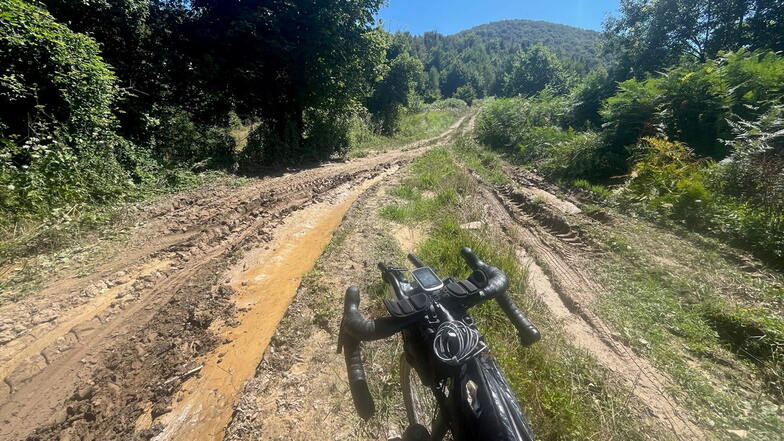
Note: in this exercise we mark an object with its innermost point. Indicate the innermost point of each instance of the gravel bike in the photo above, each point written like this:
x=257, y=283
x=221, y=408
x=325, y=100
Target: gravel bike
x=450, y=383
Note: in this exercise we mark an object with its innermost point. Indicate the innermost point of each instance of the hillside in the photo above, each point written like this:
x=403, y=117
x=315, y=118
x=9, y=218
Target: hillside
x=571, y=43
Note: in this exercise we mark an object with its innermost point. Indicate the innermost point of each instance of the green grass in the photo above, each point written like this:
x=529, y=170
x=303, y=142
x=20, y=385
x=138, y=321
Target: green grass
x=434, y=184
x=598, y=190
x=564, y=392
x=413, y=127
x=485, y=162
x=714, y=330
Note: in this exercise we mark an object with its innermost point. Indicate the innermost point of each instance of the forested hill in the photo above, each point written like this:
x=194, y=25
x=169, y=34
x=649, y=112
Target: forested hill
x=568, y=42
x=480, y=61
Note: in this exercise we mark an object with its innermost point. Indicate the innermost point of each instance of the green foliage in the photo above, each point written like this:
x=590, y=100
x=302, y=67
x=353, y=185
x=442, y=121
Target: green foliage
x=504, y=123
x=756, y=169
x=466, y=93
x=755, y=79
x=630, y=114
x=175, y=138
x=588, y=96
x=668, y=180
x=392, y=93
x=451, y=104
x=533, y=70
x=648, y=36
x=579, y=154
x=56, y=122
x=50, y=75
x=529, y=131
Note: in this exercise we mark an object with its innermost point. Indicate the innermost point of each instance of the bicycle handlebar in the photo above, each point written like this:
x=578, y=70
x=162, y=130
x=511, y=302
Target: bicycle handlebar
x=354, y=328
x=496, y=287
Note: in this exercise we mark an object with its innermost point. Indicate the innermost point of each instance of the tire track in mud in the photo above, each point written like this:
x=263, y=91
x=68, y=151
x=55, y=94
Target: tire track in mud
x=554, y=252
x=78, y=358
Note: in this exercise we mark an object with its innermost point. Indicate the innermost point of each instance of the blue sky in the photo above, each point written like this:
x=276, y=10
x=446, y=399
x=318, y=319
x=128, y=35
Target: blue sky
x=450, y=16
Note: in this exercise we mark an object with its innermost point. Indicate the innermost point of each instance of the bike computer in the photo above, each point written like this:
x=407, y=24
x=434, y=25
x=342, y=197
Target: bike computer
x=427, y=279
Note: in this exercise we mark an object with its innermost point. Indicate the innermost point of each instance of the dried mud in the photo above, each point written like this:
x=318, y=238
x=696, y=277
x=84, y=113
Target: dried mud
x=103, y=356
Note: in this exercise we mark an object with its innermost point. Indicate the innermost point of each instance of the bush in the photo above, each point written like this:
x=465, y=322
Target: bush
x=505, y=123
x=56, y=121
x=579, y=156
x=755, y=170
x=326, y=134
x=51, y=75
x=174, y=138
x=501, y=123
x=755, y=79
x=667, y=179
x=630, y=114
x=693, y=107
x=588, y=97
x=670, y=181
x=453, y=104
x=466, y=93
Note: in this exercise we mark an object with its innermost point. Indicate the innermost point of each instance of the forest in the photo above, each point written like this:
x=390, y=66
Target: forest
x=107, y=101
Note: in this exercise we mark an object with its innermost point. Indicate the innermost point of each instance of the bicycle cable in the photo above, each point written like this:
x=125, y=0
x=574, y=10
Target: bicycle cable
x=455, y=342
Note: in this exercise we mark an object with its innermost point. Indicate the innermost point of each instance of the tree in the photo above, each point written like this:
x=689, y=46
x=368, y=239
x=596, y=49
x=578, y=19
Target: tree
x=432, y=89
x=391, y=94
x=466, y=93
x=650, y=35
x=533, y=70
x=276, y=59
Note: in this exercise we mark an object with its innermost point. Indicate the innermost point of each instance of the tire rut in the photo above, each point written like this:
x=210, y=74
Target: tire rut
x=78, y=358
x=555, y=256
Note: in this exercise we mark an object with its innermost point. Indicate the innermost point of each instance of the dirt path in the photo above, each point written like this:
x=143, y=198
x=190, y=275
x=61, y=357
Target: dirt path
x=543, y=228
x=101, y=356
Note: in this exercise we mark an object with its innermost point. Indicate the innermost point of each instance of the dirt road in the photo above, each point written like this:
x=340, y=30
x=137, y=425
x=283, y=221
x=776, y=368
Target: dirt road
x=158, y=338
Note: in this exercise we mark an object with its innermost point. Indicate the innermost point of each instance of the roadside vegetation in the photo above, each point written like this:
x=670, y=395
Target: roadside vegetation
x=698, y=145
x=716, y=329
x=563, y=391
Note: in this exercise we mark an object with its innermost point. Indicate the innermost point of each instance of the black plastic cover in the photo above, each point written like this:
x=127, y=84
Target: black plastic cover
x=418, y=303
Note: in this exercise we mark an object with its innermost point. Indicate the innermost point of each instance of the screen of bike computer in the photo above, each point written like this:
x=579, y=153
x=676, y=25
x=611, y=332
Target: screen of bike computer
x=427, y=279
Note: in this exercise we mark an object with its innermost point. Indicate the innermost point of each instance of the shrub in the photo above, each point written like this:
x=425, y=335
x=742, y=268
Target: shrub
x=588, y=96
x=670, y=181
x=56, y=121
x=51, y=75
x=693, y=106
x=667, y=179
x=580, y=155
x=174, y=137
x=630, y=114
x=755, y=170
x=505, y=123
x=453, y=104
x=756, y=81
x=466, y=93
x=501, y=123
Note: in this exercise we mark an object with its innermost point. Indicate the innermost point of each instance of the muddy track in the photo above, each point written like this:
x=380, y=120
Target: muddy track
x=87, y=356
x=551, y=245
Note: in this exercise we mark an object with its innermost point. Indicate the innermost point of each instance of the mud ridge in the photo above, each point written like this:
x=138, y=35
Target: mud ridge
x=85, y=357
